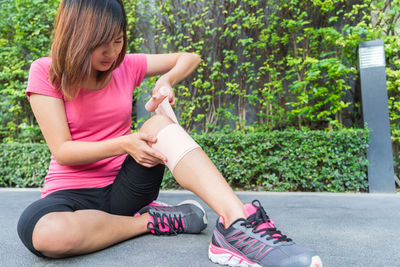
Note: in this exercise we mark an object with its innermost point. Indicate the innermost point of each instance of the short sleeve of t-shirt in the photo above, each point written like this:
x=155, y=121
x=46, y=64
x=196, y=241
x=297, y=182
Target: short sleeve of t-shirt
x=138, y=63
x=38, y=81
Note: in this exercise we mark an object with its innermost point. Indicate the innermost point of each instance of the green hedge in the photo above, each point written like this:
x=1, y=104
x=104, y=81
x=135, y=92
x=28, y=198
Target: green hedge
x=23, y=165
x=291, y=160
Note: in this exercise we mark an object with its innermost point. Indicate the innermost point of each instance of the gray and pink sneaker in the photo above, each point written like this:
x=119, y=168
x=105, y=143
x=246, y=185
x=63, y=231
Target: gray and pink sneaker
x=256, y=242
x=187, y=217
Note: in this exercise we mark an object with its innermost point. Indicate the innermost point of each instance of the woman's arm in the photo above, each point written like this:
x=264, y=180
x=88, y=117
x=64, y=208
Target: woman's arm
x=50, y=114
x=174, y=67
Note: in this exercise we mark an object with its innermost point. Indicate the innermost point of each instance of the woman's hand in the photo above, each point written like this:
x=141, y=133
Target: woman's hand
x=162, y=82
x=138, y=145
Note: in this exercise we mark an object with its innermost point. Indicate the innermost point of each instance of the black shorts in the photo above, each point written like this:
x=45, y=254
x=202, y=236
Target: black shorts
x=134, y=187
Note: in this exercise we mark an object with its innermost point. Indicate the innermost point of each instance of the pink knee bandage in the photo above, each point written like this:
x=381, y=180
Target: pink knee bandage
x=174, y=143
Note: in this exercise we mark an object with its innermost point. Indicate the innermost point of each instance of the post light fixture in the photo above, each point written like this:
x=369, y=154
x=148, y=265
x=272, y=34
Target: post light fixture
x=376, y=116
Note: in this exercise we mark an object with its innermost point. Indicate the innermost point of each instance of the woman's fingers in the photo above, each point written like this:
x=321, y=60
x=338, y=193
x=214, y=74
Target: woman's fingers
x=149, y=161
x=147, y=137
x=150, y=153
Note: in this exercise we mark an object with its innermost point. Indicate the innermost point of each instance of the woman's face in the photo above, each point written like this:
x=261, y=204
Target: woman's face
x=104, y=56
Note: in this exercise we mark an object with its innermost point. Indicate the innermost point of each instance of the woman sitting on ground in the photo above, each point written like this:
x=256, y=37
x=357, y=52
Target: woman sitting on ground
x=103, y=180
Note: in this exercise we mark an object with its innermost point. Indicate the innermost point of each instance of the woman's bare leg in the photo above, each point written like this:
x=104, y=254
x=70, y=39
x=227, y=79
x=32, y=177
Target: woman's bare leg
x=196, y=172
x=88, y=231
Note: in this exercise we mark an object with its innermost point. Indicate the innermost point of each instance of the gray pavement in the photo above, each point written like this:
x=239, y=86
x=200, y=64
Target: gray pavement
x=345, y=230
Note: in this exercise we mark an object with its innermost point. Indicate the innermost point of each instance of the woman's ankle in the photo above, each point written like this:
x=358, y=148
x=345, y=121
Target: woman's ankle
x=232, y=216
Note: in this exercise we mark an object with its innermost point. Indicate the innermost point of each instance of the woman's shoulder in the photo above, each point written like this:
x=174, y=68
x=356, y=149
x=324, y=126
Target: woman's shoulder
x=134, y=66
x=134, y=60
x=41, y=64
x=42, y=61
x=38, y=81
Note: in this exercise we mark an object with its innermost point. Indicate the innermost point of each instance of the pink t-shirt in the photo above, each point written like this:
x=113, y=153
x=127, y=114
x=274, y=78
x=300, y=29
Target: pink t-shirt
x=92, y=116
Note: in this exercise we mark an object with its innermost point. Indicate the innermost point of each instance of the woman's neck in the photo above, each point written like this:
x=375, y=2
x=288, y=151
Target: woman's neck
x=92, y=84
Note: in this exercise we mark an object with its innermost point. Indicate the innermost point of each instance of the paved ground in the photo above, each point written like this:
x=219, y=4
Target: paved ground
x=345, y=229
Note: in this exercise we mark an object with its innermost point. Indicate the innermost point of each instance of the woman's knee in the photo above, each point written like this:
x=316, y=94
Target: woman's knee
x=54, y=235
x=155, y=124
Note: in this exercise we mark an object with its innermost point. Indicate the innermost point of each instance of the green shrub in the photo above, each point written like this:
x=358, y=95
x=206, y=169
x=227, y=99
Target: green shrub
x=23, y=165
x=291, y=160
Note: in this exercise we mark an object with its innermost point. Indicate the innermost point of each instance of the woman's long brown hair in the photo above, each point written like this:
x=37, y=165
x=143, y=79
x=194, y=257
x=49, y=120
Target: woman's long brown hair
x=80, y=27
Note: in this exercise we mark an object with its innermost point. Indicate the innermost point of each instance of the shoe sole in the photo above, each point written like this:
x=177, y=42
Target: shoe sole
x=197, y=204
x=225, y=257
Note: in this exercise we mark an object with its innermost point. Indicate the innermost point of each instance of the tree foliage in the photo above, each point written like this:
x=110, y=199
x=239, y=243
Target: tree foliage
x=26, y=27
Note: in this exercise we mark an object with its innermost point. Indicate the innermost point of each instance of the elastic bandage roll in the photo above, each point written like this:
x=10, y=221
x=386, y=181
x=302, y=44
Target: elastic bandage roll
x=174, y=142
